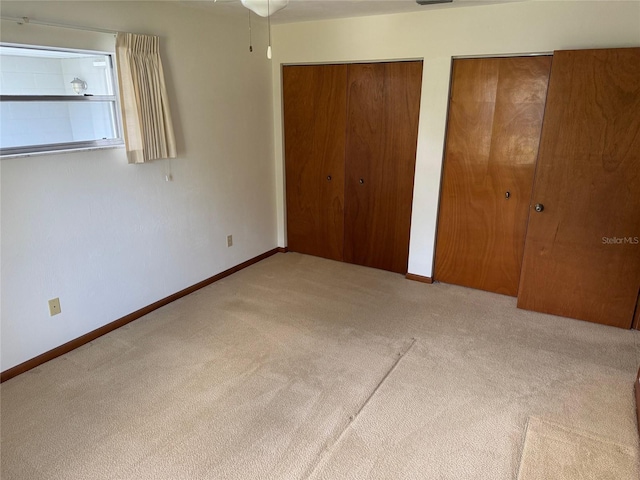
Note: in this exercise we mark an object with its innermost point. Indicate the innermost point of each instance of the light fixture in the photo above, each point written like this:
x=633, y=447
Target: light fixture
x=78, y=85
x=265, y=8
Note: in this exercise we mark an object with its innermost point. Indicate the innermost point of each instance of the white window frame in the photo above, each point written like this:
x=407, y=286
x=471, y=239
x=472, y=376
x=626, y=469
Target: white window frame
x=69, y=146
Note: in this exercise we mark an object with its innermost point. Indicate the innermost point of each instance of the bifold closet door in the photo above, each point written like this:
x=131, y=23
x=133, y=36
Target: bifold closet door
x=315, y=105
x=582, y=253
x=382, y=134
x=495, y=118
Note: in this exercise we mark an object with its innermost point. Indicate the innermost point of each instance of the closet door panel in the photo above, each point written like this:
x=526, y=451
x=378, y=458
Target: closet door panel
x=382, y=128
x=515, y=139
x=364, y=155
x=495, y=119
x=582, y=257
x=315, y=102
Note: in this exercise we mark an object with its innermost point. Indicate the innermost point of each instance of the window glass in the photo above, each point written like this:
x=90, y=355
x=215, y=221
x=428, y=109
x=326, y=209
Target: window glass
x=62, y=99
x=43, y=123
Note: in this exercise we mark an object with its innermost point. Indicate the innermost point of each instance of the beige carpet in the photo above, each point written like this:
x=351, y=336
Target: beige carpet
x=553, y=451
x=300, y=367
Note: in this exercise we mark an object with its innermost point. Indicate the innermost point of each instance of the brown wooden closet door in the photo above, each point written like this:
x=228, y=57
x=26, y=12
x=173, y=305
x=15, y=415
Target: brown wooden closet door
x=315, y=105
x=582, y=257
x=495, y=118
x=382, y=134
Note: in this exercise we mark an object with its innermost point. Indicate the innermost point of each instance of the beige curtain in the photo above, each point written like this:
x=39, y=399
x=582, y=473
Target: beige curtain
x=148, y=131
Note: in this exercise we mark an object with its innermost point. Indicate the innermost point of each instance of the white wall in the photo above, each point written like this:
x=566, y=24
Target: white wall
x=109, y=238
x=436, y=36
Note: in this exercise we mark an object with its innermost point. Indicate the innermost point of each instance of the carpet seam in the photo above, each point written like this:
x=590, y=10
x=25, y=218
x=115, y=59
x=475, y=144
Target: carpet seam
x=594, y=437
x=322, y=455
x=523, y=439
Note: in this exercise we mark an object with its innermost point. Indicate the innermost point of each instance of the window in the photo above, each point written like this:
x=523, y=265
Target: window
x=56, y=100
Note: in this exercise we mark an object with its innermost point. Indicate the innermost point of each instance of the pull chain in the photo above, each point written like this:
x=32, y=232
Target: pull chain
x=269, y=26
x=250, y=40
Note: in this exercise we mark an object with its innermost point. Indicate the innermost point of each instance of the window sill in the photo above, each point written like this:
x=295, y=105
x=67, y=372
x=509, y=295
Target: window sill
x=57, y=152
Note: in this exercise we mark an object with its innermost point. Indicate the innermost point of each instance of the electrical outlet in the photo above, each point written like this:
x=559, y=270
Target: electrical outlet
x=229, y=240
x=54, y=307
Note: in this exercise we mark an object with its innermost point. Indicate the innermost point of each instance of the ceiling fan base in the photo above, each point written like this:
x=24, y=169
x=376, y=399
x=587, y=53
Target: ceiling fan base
x=432, y=2
x=265, y=8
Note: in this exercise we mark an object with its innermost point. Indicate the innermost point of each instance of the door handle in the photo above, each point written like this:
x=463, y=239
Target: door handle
x=538, y=207
x=329, y=177
x=507, y=195
x=361, y=181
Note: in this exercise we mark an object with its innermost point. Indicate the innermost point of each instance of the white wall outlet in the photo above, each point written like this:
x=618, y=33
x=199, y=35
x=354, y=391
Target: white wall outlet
x=229, y=240
x=54, y=307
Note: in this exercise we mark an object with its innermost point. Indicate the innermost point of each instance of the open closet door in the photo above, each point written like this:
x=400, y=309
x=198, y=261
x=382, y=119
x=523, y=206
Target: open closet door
x=582, y=252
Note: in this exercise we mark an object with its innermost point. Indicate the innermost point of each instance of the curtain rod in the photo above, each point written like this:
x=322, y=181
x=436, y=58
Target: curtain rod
x=27, y=20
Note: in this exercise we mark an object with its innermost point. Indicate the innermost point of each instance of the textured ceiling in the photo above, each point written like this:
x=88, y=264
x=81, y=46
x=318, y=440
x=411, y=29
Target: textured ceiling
x=307, y=10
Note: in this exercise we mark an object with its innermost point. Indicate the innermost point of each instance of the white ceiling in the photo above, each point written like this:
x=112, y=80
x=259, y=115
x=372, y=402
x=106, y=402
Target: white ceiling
x=307, y=10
